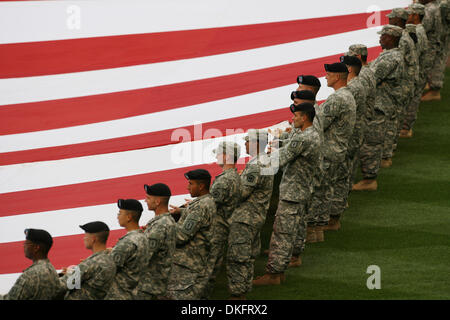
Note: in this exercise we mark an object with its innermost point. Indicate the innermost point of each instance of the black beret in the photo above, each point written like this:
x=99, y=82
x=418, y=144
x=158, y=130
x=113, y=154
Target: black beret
x=158, y=189
x=308, y=80
x=199, y=174
x=304, y=107
x=351, y=61
x=94, y=227
x=303, y=94
x=336, y=67
x=39, y=236
x=130, y=204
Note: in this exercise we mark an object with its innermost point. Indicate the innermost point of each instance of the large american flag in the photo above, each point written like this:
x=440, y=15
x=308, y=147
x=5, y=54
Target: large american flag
x=91, y=93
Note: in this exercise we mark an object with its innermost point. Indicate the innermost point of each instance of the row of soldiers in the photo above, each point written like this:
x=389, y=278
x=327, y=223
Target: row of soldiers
x=179, y=253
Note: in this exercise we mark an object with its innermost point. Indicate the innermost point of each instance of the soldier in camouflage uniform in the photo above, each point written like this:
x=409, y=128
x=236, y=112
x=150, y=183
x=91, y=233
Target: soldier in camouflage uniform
x=247, y=220
x=161, y=236
x=389, y=72
x=130, y=254
x=337, y=116
x=356, y=87
x=298, y=158
x=432, y=23
x=398, y=17
x=95, y=273
x=194, y=233
x=317, y=209
x=40, y=280
x=416, y=14
x=373, y=140
x=226, y=193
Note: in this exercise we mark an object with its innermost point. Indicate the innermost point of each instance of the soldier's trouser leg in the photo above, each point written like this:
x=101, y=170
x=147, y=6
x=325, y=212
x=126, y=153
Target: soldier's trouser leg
x=413, y=107
x=391, y=130
x=319, y=210
x=185, y=284
x=401, y=113
x=243, y=248
x=436, y=75
x=216, y=256
x=372, y=149
x=285, y=227
x=300, y=238
x=340, y=188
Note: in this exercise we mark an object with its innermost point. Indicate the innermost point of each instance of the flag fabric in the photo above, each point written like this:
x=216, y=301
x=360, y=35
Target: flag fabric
x=98, y=98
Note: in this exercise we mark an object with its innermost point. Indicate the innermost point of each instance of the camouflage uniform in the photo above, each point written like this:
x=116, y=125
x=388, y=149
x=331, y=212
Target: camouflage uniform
x=410, y=79
x=432, y=22
x=356, y=87
x=337, y=116
x=372, y=148
x=424, y=67
x=194, y=233
x=299, y=157
x=38, y=282
x=161, y=237
x=130, y=254
x=226, y=193
x=389, y=72
x=246, y=222
x=96, y=276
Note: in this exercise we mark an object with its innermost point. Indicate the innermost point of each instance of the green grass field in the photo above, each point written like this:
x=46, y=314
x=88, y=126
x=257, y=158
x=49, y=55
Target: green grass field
x=404, y=228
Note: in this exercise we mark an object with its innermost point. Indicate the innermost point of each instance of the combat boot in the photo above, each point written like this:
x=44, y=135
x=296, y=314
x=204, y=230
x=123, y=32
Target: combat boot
x=310, y=235
x=334, y=224
x=295, y=262
x=319, y=234
x=432, y=95
x=366, y=185
x=268, y=279
x=386, y=163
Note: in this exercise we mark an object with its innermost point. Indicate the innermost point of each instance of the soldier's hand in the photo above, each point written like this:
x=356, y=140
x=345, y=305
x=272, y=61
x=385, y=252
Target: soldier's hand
x=288, y=129
x=64, y=270
x=240, y=171
x=187, y=201
x=174, y=210
x=109, y=250
x=144, y=227
x=81, y=260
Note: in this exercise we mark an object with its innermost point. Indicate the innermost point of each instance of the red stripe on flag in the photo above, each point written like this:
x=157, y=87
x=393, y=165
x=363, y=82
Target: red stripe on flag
x=76, y=55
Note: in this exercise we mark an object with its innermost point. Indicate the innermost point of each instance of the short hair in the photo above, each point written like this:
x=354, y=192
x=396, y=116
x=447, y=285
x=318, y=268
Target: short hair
x=357, y=69
x=310, y=114
x=206, y=183
x=135, y=215
x=102, y=236
x=164, y=200
x=343, y=75
x=44, y=248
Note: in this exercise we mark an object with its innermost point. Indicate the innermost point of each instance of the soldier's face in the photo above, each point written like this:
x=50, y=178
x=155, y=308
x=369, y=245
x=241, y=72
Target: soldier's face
x=151, y=202
x=384, y=41
x=413, y=19
x=29, y=249
x=332, y=78
x=298, y=119
x=88, y=240
x=123, y=217
x=193, y=188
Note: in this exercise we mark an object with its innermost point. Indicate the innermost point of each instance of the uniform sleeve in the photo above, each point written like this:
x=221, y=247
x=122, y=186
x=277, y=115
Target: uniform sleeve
x=190, y=226
x=23, y=288
x=290, y=151
x=220, y=191
x=122, y=251
x=382, y=68
x=250, y=179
